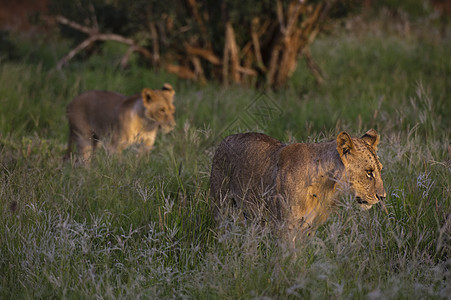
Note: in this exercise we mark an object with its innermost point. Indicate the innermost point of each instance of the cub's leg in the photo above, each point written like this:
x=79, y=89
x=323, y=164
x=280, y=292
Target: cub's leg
x=117, y=141
x=84, y=142
x=85, y=147
x=81, y=133
x=84, y=137
x=146, y=142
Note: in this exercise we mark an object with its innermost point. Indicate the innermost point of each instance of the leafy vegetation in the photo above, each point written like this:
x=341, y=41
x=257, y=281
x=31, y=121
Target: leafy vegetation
x=128, y=227
x=252, y=42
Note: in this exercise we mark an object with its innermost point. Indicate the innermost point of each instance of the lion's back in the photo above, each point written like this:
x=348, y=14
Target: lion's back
x=94, y=111
x=94, y=102
x=243, y=160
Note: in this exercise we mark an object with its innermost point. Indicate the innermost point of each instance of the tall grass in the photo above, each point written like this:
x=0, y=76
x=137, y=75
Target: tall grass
x=128, y=227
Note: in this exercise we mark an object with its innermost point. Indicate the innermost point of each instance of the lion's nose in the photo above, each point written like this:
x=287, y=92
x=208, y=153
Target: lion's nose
x=381, y=194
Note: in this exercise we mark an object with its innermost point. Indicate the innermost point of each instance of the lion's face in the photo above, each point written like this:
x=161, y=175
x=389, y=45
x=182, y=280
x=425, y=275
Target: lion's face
x=159, y=107
x=362, y=167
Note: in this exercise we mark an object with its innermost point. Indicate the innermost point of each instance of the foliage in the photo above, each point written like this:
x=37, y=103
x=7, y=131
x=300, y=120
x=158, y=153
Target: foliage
x=251, y=42
x=413, y=8
x=141, y=227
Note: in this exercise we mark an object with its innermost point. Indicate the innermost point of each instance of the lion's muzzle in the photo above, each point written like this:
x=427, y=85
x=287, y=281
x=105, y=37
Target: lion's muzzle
x=168, y=126
x=364, y=204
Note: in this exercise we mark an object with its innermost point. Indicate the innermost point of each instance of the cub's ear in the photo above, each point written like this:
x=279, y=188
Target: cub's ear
x=168, y=88
x=372, y=138
x=344, y=144
x=146, y=95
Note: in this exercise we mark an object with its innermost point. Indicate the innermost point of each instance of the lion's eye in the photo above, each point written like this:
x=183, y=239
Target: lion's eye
x=369, y=173
x=162, y=109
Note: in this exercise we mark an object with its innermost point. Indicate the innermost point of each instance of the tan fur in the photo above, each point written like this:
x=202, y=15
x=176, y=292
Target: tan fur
x=119, y=121
x=296, y=183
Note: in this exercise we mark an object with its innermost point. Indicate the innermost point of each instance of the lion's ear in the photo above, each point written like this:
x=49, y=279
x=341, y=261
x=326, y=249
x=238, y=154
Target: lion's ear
x=168, y=88
x=146, y=95
x=372, y=138
x=344, y=144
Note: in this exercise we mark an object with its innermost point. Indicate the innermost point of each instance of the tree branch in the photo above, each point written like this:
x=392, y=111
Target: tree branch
x=313, y=66
x=95, y=36
x=200, y=22
x=256, y=43
x=180, y=71
x=63, y=20
x=155, y=43
x=206, y=54
x=75, y=51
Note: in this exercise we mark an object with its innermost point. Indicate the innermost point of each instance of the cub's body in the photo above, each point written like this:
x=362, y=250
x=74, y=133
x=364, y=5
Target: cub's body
x=119, y=121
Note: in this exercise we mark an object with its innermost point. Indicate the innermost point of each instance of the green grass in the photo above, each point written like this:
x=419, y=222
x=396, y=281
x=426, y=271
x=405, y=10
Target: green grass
x=141, y=227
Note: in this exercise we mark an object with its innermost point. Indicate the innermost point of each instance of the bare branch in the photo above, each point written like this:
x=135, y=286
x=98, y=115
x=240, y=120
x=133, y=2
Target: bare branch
x=95, y=36
x=206, y=54
x=232, y=53
x=155, y=43
x=294, y=10
x=75, y=51
x=280, y=17
x=180, y=71
x=256, y=43
x=200, y=22
x=126, y=57
x=63, y=20
x=130, y=50
x=95, y=23
x=247, y=71
x=199, y=71
x=313, y=66
x=115, y=37
x=259, y=32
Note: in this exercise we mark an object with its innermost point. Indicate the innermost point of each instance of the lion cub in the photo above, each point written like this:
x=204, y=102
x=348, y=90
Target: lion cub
x=296, y=184
x=119, y=121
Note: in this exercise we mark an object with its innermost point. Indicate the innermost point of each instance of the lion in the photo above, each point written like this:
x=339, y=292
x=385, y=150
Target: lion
x=295, y=185
x=119, y=121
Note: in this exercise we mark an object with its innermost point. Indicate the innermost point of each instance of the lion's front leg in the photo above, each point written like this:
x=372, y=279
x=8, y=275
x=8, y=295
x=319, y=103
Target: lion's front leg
x=146, y=142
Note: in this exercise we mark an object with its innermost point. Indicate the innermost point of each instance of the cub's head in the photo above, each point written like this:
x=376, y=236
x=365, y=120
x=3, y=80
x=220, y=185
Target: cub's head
x=362, y=166
x=159, y=107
